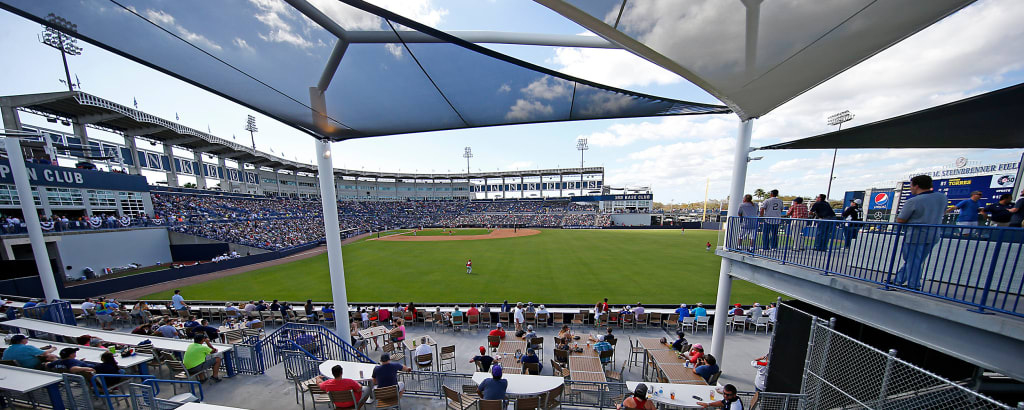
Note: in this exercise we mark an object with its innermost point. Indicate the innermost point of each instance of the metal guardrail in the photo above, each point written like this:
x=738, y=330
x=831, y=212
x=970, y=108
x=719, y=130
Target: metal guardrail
x=981, y=267
x=56, y=311
x=256, y=355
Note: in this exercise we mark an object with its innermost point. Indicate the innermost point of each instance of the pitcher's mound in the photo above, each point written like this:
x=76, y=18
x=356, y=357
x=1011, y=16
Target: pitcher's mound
x=497, y=233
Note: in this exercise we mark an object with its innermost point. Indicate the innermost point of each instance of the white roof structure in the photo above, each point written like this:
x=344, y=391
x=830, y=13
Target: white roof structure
x=755, y=55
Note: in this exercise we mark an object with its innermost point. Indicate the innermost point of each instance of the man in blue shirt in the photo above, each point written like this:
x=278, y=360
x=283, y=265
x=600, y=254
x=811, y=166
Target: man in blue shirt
x=969, y=209
x=69, y=363
x=821, y=209
x=177, y=301
x=386, y=373
x=495, y=387
x=683, y=312
x=707, y=367
x=25, y=355
x=925, y=207
x=699, y=310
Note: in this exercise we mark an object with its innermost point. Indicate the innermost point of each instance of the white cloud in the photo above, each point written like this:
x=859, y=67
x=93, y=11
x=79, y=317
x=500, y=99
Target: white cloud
x=618, y=68
x=668, y=128
x=281, y=21
x=525, y=110
x=167, y=21
x=242, y=44
x=351, y=18
x=504, y=88
x=548, y=88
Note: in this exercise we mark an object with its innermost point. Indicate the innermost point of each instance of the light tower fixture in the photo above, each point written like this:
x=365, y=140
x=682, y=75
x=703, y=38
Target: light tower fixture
x=467, y=154
x=250, y=125
x=581, y=145
x=836, y=119
x=56, y=34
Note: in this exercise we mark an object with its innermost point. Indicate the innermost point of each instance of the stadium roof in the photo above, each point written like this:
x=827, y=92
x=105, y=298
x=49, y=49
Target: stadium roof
x=751, y=55
x=990, y=120
x=274, y=57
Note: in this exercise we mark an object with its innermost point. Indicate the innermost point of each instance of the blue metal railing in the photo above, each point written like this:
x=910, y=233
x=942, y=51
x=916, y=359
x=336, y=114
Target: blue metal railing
x=311, y=341
x=56, y=311
x=978, y=266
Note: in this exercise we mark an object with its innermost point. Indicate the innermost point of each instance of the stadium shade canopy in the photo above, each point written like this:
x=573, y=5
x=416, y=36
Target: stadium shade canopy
x=754, y=55
x=267, y=55
x=990, y=120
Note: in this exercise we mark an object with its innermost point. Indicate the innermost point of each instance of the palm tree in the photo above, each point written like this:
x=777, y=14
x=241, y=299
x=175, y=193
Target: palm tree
x=760, y=194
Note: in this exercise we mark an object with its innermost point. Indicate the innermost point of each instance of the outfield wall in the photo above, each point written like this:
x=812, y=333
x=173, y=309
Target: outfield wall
x=112, y=249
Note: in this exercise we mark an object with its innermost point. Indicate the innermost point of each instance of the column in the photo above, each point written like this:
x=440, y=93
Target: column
x=739, y=178
x=325, y=171
x=225, y=183
x=44, y=201
x=296, y=175
x=172, y=174
x=12, y=120
x=28, y=209
x=129, y=141
x=201, y=171
x=82, y=135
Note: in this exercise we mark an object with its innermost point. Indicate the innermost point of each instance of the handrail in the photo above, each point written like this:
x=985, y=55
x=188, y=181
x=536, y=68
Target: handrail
x=979, y=266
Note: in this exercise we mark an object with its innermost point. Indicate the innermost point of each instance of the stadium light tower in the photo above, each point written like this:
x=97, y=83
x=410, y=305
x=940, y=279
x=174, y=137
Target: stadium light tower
x=56, y=35
x=836, y=119
x=250, y=125
x=467, y=154
x=581, y=145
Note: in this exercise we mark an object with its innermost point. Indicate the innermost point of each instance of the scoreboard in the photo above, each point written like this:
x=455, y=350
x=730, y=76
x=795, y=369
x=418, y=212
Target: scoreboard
x=959, y=189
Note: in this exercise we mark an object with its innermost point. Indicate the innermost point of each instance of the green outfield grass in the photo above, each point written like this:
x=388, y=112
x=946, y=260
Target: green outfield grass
x=455, y=232
x=556, y=266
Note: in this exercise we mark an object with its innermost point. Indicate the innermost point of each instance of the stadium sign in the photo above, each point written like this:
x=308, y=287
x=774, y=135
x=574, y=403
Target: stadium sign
x=626, y=197
x=50, y=175
x=961, y=169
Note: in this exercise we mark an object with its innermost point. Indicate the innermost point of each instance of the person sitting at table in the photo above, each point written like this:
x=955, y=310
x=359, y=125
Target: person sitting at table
x=108, y=365
x=104, y=315
x=422, y=349
x=696, y=353
x=249, y=307
x=88, y=340
x=531, y=357
x=398, y=332
x=341, y=384
x=254, y=321
x=204, y=327
x=473, y=311
x=457, y=314
x=737, y=310
x=608, y=337
x=543, y=309
x=261, y=306
x=310, y=310
x=638, y=400
x=327, y=309
x=565, y=334
x=140, y=310
x=699, y=310
x=729, y=400
x=199, y=356
x=386, y=374
x=364, y=317
x=498, y=331
x=707, y=367
x=358, y=341
x=483, y=360
x=638, y=311
x=495, y=387
x=144, y=329
x=274, y=306
x=26, y=355
x=232, y=311
x=680, y=341
x=603, y=346
x=755, y=312
x=167, y=329
x=68, y=363
x=530, y=335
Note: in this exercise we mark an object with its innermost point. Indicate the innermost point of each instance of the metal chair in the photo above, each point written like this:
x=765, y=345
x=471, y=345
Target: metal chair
x=703, y=321
x=532, y=368
x=473, y=321
x=425, y=362
x=493, y=342
x=642, y=319
x=387, y=398
x=490, y=404
x=542, y=319
x=457, y=322
x=458, y=401
x=317, y=395
x=528, y=403
x=688, y=322
x=761, y=322
x=447, y=358
x=657, y=319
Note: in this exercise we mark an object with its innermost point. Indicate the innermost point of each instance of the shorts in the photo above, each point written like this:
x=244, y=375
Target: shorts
x=105, y=318
x=747, y=233
x=208, y=364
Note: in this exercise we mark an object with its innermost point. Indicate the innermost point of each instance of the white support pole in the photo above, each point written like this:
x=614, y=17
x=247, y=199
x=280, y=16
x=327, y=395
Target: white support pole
x=325, y=172
x=739, y=178
x=28, y=210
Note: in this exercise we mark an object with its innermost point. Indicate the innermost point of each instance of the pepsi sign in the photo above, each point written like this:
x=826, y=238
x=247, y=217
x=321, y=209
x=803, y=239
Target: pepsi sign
x=881, y=200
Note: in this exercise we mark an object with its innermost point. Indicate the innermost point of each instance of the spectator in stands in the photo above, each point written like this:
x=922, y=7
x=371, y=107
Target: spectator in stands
x=422, y=349
x=398, y=332
x=505, y=306
x=755, y=312
x=737, y=310
x=544, y=310
x=457, y=313
x=680, y=341
x=472, y=310
x=638, y=400
x=89, y=305
x=285, y=309
x=254, y=322
x=699, y=310
x=773, y=312
x=250, y=307
x=386, y=373
x=926, y=207
x=178, y=301
x=495, y=387
x=821, y=209
x=232, y=311
x=518, y=315
x=1017, y=220
x=530, y=308
x=999, y=212
x=69, y=363
x=191, y=322
x=531, y=357
x=603, y=346
x=274, y=306
x=771, y=208
x=341, y=384
x=798, y=210
x=140, y=310
x=706, y=367
x=748, y=221
x=696, y=352
x=310, y=310
x=166, y=329
x=261, y=306
x=108, y=365
x=145, y=329
x=26, y=355
x=565, y=333
x=497, y=331
x=683, y=312
x=87, y=340
x=201, y=355
x=529, y=335
x=851, y=215
x=204, y=327
x=483, y=360
x=729, y=399
x=639, y=310
x=357, y=339
x=761, y=365
x=104, y=314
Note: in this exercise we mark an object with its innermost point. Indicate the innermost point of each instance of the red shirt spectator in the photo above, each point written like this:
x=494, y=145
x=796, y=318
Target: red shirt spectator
x=497, y=332
x=472, y=311
x=383, y=314
x=342, y=385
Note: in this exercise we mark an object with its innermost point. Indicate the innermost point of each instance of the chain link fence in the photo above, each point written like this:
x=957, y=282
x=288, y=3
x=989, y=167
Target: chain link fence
x=843, y=373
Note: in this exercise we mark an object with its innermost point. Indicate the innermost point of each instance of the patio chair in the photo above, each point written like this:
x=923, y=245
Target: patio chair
x=532, y=368
x=490, y=404
x=428, y=359
x=615, y=375
x=559, y=318
x=613, y=319
x=761, y=322
x=551, y=398
x=458, y=401
x=395, y=354
x=493, y=342
x=387, y=398
x=657, y=319
x=347, y=396
x=542, y=319
x=317, y=395
x=688, y=323
x=447, y=358
x=473, y=321
x=528, y=403
x=703, y=321
x=505, y=319
x=641, y=320
x=457, y=322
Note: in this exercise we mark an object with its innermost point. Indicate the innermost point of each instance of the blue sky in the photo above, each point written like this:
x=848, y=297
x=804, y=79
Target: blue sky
x=973, y=51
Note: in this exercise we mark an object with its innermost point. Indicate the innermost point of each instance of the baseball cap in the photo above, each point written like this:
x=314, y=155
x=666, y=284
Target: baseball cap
x=738, y=305
x=483, y=350
x=496, y=371
x=640, y=391
x=857, y=201
x=499, y=325
x=67, y=352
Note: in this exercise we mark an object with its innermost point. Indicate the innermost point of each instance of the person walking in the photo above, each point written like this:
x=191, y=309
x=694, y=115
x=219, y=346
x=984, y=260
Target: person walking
x=851, y=215
x=469, y=266
x=925, y=208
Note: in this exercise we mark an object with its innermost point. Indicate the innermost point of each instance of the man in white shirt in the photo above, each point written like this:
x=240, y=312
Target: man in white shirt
x=518, y=314
x=771, y=208
x=761, y=364
x=639, y=310
x=773, y=312
x=422, y=349
x=88, y=304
